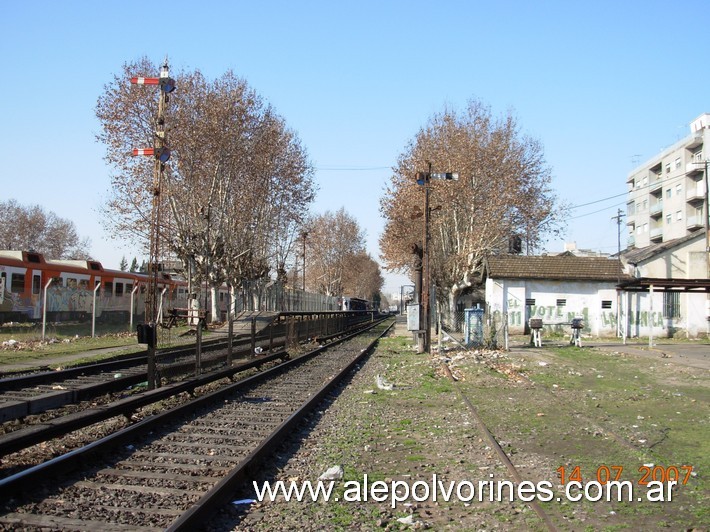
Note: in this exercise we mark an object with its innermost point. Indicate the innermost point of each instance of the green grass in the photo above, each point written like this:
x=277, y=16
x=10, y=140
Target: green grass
x=68, y=340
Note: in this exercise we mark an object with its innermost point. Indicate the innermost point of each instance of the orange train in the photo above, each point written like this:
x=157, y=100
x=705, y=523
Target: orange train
x=25, y=286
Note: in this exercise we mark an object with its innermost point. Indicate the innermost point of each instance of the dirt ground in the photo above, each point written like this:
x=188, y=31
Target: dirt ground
x=588, y=414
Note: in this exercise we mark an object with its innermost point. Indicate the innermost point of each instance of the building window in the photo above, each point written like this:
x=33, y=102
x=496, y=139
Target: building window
x=668, y=192
x=678, y=189
x=671, y=304
x=17, y=283
x=645, y=228
x=669, y=218
x=36, y=284
x=679, y=215
x=606, y=303
x=677, y=163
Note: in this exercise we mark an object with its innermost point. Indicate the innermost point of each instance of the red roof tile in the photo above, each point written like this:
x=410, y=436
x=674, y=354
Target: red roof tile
x=558, y=267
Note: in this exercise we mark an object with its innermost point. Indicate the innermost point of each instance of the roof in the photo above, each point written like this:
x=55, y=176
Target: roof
x=634, y=256
x=558, y=267
x=644, y=284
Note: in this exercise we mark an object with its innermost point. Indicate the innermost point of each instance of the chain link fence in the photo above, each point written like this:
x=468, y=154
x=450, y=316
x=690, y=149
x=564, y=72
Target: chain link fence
x=77, y=310
x=475, y=328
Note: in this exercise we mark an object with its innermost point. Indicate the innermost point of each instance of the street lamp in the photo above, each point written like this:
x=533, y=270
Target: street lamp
x=304, y=234
x=424, y=179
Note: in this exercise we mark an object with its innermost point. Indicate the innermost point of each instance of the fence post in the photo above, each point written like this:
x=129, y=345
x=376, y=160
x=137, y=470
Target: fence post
x=198, y=349
x=93, y=311
x=253, y=335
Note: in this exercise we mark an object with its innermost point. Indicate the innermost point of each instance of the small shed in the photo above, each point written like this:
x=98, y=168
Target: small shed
x=556, y=289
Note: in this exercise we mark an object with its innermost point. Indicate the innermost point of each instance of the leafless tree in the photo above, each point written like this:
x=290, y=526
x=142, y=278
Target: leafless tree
x=32, y=228
x=336, y=260
x=237, y=184
x=503, y=191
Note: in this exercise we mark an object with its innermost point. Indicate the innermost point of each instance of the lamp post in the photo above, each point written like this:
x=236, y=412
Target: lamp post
x=304, y=234
x=424, y=179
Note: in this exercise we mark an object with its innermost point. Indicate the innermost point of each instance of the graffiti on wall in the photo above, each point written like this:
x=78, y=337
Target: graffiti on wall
x=556, y=317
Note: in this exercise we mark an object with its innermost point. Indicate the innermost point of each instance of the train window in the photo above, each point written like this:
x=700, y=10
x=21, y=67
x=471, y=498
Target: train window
x=119, y=289
x=83, y=284
x=33, y=257
x=108, y=288
x=129, y=288
x=36, y=284
x=17, y=283
x=71, y=282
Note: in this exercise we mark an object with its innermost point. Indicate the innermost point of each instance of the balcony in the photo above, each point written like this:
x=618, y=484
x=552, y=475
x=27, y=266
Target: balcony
x=695, y=193
x=656, y=210
x=656, y=234
x=631, y=241
x=696, y=141
x=694, y=222
x=694, y=167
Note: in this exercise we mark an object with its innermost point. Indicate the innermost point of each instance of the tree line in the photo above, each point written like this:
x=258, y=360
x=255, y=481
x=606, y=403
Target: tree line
x=236, y=192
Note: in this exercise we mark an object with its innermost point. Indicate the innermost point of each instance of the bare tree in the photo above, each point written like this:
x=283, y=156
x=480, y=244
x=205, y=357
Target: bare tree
x=335, y=254
x=237, y=183
x=33, y=228
x=503, y=191
x=362, y=277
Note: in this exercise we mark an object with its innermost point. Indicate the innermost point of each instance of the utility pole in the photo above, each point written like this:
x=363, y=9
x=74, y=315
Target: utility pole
x=147, y=333
x=304, y=234
x=424, y=179
x=618, y=217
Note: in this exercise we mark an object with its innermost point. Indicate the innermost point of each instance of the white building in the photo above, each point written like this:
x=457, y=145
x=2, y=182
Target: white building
x=668, y=293
x=667, y=194
x=556, y=289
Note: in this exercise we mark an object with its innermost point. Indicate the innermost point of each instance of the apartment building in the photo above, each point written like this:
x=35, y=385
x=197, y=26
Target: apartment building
x=667, y=194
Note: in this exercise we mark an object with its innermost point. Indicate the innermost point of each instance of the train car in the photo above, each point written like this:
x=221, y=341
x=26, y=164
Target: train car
x=354, y=303
x=25, y=285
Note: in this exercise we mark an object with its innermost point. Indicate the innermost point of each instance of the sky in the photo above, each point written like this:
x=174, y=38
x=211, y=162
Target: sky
x=603, y=86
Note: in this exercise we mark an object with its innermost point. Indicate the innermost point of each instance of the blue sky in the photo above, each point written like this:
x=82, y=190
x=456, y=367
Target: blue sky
x=602, y=85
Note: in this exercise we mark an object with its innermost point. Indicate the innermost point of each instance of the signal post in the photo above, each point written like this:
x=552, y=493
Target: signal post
x=148, y=331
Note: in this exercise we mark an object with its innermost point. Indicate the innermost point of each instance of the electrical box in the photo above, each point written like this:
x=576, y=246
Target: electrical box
x=413, y=317
x=146, y=334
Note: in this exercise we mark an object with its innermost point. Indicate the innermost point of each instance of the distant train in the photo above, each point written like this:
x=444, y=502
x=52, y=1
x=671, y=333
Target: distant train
x=354, y=303
x=25, y=286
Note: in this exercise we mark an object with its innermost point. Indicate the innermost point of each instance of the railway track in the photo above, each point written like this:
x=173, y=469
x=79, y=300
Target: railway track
x=36, y=393
x=171, y=470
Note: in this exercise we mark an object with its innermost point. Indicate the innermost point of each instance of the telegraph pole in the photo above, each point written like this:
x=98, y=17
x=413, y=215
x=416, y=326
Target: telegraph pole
x=147, y=333
x=424, y=179
x=618, y=217
x=304, y=234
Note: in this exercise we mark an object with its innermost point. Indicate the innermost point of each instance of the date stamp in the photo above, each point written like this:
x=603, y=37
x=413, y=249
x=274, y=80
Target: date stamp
x=613, y=473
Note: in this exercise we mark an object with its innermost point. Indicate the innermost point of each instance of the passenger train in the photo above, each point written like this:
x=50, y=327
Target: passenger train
x=27, y=280
x=70, y=289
